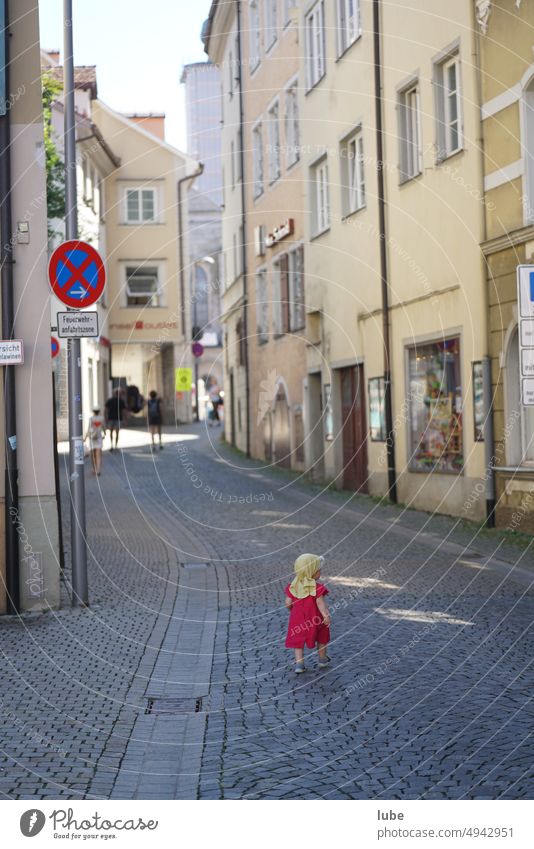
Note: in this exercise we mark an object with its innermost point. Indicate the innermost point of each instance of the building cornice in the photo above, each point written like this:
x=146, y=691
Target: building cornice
x=508, y=240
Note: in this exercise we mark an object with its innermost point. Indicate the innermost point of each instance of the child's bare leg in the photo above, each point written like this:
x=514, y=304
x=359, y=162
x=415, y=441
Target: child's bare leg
x=299, y=655
x=321, y=648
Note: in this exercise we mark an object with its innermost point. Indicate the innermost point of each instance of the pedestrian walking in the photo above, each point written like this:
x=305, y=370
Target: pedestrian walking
x=309, y=619
x=215, y=401
x=155, y=417
x=96, y=432
x=115, y=416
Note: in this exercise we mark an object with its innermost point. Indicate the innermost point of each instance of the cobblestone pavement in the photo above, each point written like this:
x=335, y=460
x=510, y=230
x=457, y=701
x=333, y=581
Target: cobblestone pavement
x=429, y=694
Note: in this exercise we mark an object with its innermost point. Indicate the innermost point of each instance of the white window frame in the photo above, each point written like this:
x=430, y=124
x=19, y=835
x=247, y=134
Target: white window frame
x=140, y=219
x=291, y=123
x=320, y=193
x=348, y=26
x=276, y=298
x=315, y=45
x=444, y=120
x=262, y=305
x=230, y=75
x=287, y=6
x=270, y=8
x=254, y=35
x=352, y=172
x=294, y=286
x=257, y=160
x=411, y=154
x=275, y=153
x=139, y=266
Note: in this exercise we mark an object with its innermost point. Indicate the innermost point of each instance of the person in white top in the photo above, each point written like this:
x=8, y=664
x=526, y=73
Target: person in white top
x=95, y=434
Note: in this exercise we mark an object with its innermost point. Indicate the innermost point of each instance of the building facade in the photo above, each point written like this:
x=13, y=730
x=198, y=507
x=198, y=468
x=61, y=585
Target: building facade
x=507, y=88
x=203, y=109
x=36, y=571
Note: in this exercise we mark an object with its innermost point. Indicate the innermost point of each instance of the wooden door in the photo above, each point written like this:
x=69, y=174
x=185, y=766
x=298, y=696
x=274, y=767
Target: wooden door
x=354, y=429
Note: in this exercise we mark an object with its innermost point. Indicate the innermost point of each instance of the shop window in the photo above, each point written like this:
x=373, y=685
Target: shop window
x=377, y=409
x=435, y=404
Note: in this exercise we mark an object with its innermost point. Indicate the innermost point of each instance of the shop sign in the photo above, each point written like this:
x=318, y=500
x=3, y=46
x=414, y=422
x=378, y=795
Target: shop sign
x=285, y=229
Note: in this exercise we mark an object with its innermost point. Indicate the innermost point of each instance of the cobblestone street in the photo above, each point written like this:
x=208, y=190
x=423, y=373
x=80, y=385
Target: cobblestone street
x=175, y=682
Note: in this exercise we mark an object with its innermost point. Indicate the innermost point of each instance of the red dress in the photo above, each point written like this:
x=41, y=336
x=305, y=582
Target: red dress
x=306, y=627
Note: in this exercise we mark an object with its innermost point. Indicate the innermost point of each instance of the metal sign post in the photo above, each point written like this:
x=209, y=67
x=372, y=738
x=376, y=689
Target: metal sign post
x=80, y=592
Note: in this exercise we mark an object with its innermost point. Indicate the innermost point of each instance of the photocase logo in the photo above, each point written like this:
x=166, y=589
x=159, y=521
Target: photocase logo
x=268, y=390
x=32, y=822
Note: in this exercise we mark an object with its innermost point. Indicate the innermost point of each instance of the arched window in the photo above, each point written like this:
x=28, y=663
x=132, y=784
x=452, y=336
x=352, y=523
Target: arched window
x=519, y=420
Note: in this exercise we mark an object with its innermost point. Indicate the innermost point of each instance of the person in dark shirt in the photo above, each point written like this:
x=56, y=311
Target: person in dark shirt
x=115, y=416
x=155, y=418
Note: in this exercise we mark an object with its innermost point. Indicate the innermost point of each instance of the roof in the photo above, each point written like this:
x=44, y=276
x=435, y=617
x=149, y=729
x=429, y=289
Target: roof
x=207, y=64
x=84, y=77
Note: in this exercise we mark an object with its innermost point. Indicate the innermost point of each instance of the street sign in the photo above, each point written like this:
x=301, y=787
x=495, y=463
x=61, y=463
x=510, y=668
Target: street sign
x=77, y=325
x=184, y=379
x=525, y=299
x=76, y=274
x=11, y=352
x=197, y=349
x=55, y=346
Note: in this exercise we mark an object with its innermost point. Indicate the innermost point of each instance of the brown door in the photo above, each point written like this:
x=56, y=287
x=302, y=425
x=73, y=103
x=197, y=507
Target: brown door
x=354, y=427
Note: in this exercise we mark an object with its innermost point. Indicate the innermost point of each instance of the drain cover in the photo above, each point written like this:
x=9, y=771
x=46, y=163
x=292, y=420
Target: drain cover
x=195, y=565
x=160, y=706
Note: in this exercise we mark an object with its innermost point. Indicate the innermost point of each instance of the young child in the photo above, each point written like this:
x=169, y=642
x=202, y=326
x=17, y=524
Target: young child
x=309, y=619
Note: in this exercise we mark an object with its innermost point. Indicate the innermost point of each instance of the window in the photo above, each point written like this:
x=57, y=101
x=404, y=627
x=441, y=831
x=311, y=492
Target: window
x=230, y=75
x=410, y=133
x=320, y=197
x=348, y=23
x=288, y=5
x=140, y=205
x=315, y=44
x=297, y=312
x=270, y=23
x=292, y=128
x=262, y=306
x=435, y=398
x=352, y=173
x=257, y=159
x=449, y=130
x=377, y=409
x=274, y=143
x=254, y=35
x=142, y=286
x=278, y=274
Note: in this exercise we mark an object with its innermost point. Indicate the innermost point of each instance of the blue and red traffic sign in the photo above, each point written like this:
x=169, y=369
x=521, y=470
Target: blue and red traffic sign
x=77, y=274
x=55, y=346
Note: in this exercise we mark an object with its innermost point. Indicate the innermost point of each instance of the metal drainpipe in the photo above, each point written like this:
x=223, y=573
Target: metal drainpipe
x=181, y=181
x=489, y=468
x=11, y=496
x=390, y=443
x=244, y=222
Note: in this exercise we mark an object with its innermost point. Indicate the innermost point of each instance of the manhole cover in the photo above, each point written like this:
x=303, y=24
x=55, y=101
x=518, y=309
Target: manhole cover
x=195, y=565
x=159, y=706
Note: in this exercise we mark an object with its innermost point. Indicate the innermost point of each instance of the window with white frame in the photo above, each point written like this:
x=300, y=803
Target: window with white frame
x=448, y=106
x=274, y=142
x=257, y=159
x=271, y=22
x=315, y=44
x=352, y=173
x=292, y=127
x=410, y=133
x=348, y=23
x=230, y=75
x=288, y=5
x=277, y=278
x=140, y=205
x=320, y=197
x=262, y=305
x=297, y=311
x=143, y=286
x=254, y=34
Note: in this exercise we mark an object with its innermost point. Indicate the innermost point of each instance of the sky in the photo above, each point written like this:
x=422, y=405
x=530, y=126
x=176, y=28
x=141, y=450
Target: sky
x=138, y=48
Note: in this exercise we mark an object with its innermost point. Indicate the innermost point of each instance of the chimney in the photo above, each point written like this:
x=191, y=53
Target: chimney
x=53, y=55
x=153, y=122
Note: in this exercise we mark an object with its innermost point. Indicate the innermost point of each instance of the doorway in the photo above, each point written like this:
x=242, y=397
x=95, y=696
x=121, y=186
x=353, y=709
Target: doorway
x=354, y=428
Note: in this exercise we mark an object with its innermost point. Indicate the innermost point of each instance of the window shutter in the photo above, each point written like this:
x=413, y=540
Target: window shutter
x=284, y=292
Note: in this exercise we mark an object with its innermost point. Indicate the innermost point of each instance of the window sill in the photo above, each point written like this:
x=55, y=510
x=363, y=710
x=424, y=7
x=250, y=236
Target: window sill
x=450, y=472
x=141, y=223
x=441, y=159
x=271, y=46
x=348, y=215
x=262, y=341
x=291, y=165
x=348, y=47
x=258, y=197
x=404, y=181
x=319, y=233
x=525, y=469
x=314, y=86
x=142, y=307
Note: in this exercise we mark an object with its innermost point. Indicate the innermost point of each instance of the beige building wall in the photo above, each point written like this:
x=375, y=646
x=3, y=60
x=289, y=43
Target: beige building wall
x=507, y=82
x=277, y=359
x=145, y=331
x=37, y=520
